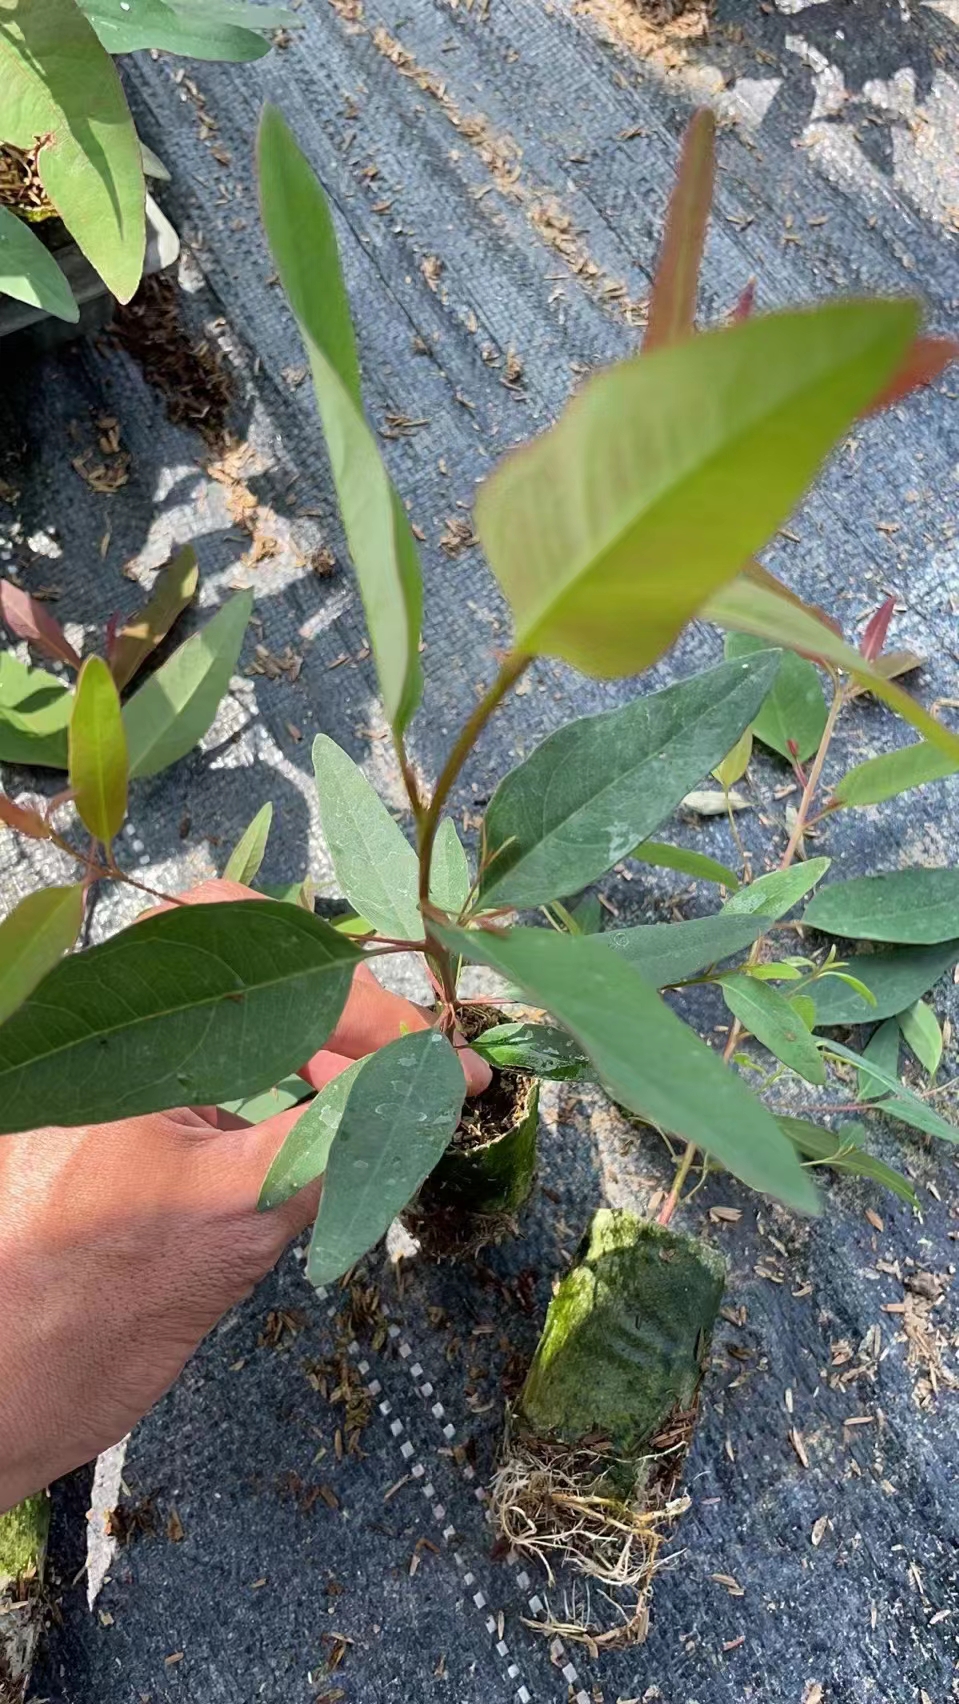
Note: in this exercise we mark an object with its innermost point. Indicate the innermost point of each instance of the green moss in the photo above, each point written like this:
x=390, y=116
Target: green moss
x=626, y=1336
x=23, y=1536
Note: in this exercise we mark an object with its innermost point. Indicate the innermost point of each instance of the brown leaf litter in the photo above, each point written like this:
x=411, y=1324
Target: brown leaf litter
x=659, y=31
x=502, y=158
x=105, y=467
x=20, y=185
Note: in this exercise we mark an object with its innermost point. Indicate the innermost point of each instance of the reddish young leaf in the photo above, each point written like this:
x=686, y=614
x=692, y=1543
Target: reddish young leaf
x=110, y=636
x=761, y=576
x=29, y=620
x=672, y=302
x=923, y=362
x=746, y=302
x=877, y=627
x=24, y=820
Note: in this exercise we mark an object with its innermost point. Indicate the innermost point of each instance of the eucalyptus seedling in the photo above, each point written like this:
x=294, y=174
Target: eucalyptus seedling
x=638, y=511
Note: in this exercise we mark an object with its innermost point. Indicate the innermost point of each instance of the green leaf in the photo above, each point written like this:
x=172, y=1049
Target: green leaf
x=399, y=1117
x=841, y=1151
x=894, y=772
x=244, y=861
x=34, y=715
x=591, y=791
x=302, y=240
x=29, y=272
x=450, y=879
x=769, y=1016
x=292, y=894
x=33, y=938
x=193, y=1006
x=804, y=1009
x=352, y=924
x=374, y=863
x=688, y=863
x=304, y=1154
x=541, y=1049
x=773, y=895
x=915, y=907
x=794, y=708
x=255, y=1108
x=857, y=986
x=220, y=32
x=172, y=711
x=883, y=1048
x=895, y=980
x=588, y=915
x=672, y=300
x=903, y=1104
x=749, y=607
x=173, y=592
x=644, y=1056
x=920, y=1028
x=665, y=473
x=736, y=762
x=666, y=954
x=59, y=84
x=98, y=752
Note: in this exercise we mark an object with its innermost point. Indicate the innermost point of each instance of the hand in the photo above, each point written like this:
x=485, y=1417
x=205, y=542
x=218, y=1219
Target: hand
x=121, y=1245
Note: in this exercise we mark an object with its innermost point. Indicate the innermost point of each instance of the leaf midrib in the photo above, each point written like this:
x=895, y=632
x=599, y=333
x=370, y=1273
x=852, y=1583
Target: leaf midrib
x=624, y=776
x=168, y=1012
x=667, y=494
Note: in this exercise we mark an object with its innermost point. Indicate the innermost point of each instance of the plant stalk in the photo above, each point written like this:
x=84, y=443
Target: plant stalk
x=815, y=776
x=510, y=670
x=682, y=1172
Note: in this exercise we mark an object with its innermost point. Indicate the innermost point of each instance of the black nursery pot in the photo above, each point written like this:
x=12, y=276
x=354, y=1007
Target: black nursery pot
x=489, y=1166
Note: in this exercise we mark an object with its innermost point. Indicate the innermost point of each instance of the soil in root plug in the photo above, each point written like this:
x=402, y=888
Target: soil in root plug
x=486, y=1174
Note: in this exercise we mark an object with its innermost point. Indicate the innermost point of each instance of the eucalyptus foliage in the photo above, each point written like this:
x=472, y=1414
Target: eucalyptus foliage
x=638, y=511
x=61, y=95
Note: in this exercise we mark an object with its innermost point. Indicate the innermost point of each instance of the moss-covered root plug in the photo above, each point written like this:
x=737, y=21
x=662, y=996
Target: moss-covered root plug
x=587, y=1473
x=23, y=1539
x=626, y=1336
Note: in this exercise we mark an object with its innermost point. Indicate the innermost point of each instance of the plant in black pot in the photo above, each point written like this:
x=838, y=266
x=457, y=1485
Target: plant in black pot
x=77, y=225
x=639, y=511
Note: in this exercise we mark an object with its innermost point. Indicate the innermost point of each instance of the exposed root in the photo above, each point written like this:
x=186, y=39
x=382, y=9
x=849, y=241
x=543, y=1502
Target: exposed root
x=553, y=1504
x=449, y=1233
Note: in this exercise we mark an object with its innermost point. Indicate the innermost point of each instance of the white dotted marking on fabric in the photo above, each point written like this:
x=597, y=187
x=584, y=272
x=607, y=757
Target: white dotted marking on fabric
x=418, y=1471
